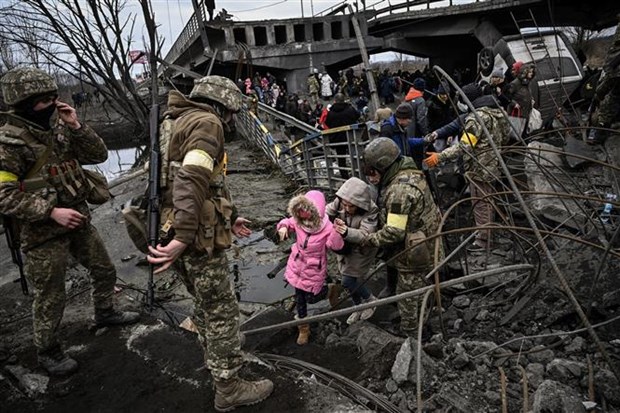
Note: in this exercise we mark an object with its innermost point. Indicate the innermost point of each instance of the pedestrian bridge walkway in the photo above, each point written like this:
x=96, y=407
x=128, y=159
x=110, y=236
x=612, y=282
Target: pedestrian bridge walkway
x=305, y=155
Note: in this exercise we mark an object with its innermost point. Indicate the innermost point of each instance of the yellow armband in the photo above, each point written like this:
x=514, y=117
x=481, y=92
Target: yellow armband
x=469, y=139
x=398, y=221
x=200, y=158
x=7, y=177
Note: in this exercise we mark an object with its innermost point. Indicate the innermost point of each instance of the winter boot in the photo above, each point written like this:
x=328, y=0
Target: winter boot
x=57, y=363
x=236, y=392
x=333, y=294
x=304, y=334
x=390, y=283
x=112, y=317
x=367, y=313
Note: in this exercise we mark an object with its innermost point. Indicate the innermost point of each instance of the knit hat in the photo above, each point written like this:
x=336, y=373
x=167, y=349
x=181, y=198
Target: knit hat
x=404, y=111
x=472, y=90
x=443, y=89
x=419, y=83
x=516, y=66
x=497, y=73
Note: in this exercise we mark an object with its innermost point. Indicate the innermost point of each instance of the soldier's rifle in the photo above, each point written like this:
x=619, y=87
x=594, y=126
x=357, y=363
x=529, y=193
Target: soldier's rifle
x=12, y=240
x=154, y=197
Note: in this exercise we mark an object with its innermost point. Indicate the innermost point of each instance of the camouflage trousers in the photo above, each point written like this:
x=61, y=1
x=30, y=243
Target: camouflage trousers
x=609, y=110
x=216, y=311
x=46, y=266
x=483, y=210
x=409, y=280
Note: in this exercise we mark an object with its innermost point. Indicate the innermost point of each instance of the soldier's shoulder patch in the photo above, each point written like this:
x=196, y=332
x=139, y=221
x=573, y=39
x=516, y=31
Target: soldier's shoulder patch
x=396, y=208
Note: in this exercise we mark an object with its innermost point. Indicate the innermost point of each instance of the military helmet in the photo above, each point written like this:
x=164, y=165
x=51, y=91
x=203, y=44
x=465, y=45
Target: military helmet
x=218, y=89
x=23, y=82
x=380, y=153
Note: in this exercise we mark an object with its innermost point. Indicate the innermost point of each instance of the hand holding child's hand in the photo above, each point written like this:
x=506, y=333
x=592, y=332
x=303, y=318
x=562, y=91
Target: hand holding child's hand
x=340, y=227
x=283, y=233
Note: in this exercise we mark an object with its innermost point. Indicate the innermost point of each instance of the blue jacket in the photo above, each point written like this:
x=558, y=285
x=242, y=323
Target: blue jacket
x=409, y=146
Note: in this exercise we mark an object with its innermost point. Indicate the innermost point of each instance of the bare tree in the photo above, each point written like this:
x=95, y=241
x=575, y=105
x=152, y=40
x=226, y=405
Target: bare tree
x=88, y=39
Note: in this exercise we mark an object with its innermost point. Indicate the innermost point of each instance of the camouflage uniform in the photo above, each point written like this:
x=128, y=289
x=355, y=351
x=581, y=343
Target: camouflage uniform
x=196, y=156
x=481, y=164
x=408, y=215
x=313, y=89
x=29, y=197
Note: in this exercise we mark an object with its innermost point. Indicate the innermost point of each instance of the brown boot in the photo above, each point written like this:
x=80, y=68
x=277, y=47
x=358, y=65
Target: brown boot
x=333, y=294
x=236, y=392
x=304, y=334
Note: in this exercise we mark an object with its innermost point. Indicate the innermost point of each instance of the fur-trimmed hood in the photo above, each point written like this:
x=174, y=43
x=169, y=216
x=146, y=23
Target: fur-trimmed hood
x=313, y=203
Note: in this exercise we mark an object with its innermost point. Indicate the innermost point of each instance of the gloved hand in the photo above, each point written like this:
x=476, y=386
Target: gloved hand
x=431, y=137
x=433, y=159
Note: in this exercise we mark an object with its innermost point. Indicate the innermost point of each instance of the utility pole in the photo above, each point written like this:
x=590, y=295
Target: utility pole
x=360, y=41
x=302, y=8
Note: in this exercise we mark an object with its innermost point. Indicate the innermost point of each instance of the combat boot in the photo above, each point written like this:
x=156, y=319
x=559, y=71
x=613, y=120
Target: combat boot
x=390, y=283
x=236, y=392
x=56, y=362
x=112, y=317
x=304, y=334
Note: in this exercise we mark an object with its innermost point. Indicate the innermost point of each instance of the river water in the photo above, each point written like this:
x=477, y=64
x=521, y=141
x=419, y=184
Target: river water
x=119, y=161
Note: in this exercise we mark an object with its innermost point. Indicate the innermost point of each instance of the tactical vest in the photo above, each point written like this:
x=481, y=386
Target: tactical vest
x=54, y=171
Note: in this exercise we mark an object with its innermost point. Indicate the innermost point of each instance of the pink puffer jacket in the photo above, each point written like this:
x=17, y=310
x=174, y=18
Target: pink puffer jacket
x=306, y=268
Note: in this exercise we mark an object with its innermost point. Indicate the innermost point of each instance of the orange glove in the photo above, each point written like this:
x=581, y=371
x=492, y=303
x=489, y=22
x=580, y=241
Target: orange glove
x=432, y=160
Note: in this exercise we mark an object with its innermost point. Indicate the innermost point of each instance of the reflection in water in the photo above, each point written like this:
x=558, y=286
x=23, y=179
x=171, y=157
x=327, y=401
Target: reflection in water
x=119, y=161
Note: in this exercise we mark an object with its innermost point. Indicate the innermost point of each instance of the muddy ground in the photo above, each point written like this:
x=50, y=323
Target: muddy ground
x=157, y=366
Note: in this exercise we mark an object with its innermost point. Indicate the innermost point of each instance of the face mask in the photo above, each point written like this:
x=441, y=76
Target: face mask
x=463, y=108
x=41, y=117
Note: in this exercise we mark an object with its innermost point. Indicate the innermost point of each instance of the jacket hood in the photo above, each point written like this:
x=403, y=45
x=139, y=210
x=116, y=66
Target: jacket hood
x=311, y=203
x=178, y=103
x=413, y=94
x=357, y=192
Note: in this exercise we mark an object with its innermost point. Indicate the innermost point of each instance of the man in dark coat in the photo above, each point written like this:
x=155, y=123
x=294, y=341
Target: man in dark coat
x=341, y=114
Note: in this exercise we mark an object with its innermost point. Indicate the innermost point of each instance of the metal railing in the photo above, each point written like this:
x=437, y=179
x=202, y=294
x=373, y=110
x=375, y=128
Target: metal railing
x=321, y=159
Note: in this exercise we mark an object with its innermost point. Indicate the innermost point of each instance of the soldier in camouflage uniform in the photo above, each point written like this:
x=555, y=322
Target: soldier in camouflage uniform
x=43, y=189
x=313, y=88
x=608, y=92
x=481, y=164
x=408, y=216
x=198, y=219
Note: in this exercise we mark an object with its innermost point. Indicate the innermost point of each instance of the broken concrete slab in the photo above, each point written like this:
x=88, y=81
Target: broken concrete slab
x=552, y=396
x=576, y=146
x=31, y=383
x=404, y=367
x=561, y=210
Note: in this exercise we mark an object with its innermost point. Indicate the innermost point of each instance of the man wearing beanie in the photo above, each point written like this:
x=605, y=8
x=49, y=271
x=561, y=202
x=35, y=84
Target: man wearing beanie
x=497, y=87
x=396, y=128
x=481, y=164
x=415, y=97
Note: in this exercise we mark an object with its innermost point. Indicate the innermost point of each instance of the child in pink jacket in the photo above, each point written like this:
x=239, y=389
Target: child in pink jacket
x=306, y=269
